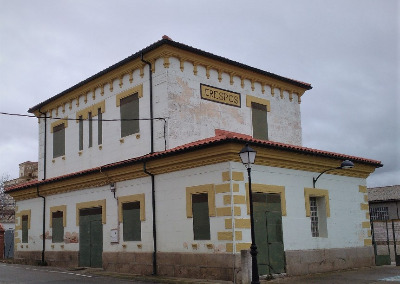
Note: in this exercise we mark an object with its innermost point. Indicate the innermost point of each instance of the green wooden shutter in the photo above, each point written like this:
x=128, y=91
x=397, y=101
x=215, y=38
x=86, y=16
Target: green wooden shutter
x=58, y=227
x=24, y=228
x=259, y=120
x=201, y=218
x=58, y=141
x=80, y=133
x=129, y=108
x=90, y=130
x=99, y=127
x=131, y=221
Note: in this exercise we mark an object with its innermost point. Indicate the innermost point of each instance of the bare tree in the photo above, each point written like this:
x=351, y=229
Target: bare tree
x=7, y=203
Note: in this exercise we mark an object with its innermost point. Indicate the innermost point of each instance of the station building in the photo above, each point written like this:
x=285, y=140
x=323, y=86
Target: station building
x=139, y=172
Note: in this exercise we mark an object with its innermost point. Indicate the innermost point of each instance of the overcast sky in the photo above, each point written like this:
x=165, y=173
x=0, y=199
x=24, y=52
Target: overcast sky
x=348, y=50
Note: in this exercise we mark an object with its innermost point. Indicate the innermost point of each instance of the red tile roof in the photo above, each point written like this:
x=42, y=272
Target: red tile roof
x=221, y=136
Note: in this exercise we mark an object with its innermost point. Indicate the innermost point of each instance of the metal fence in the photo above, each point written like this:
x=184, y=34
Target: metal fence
x=386, y=241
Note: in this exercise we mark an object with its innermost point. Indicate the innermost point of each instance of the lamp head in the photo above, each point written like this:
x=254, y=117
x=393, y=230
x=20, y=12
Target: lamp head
x=247, y=155
x=112, y=187
x=347, y=164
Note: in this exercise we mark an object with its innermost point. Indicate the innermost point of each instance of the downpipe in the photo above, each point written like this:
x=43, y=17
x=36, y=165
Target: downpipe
x=43, y=262
x=153, y=207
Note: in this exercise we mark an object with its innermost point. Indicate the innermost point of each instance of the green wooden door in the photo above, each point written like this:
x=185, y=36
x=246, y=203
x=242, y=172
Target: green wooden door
x=91, y=238
x=268, y=233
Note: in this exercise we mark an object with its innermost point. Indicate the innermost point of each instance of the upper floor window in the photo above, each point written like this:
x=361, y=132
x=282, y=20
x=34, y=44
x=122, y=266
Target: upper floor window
x=80, y=133
x=90, y=129
x=129, y=109
x=99, y=126
x=259, y=121
x=59, y=140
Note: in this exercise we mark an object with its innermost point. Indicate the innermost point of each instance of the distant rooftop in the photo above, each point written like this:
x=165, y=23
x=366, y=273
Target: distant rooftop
x=384, y=193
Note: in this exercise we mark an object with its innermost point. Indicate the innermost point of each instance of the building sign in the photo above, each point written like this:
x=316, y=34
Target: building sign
x=219, y=95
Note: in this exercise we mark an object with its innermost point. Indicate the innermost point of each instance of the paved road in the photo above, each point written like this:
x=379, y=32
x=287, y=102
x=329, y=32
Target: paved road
x=15, y=273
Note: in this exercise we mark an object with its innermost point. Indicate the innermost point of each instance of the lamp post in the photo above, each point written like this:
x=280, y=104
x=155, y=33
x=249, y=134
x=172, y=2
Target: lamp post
x=248, y=156
x=346, y=164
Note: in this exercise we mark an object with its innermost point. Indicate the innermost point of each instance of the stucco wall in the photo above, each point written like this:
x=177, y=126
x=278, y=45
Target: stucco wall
x=184, y=117
x=112, y=148
x=175, y=228
x=192, y=118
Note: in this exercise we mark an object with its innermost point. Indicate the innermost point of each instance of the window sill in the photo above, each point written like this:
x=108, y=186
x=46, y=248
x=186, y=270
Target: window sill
x=100, y=147
x=54, y=160
x=122, y=140
x=80, y=153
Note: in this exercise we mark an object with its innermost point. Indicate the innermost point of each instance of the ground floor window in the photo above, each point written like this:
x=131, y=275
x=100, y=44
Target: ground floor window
x=318, y=216
x=201, y=218
x=58, y=227
x=25, y=223
x=314, y=217
x=131, y=221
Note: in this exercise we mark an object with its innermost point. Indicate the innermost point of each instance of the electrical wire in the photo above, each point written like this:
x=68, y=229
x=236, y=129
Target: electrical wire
x=77, y=119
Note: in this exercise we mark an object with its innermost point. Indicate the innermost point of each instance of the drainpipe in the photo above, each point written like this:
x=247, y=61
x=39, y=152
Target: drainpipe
x=151, y=104
x=153, y=207
x=43, y=262
x=233, y=222
x=45, y=145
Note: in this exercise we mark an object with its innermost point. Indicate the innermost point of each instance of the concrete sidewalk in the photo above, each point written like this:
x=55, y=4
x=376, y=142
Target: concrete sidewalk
x=375, y=274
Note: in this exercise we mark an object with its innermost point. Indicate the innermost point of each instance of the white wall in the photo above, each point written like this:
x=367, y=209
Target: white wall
x=192, y=118
x=175, y=230
x=176, y=97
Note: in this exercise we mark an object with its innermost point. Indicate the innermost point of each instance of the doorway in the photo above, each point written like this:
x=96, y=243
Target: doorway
x=268, y=233
x=91, y=237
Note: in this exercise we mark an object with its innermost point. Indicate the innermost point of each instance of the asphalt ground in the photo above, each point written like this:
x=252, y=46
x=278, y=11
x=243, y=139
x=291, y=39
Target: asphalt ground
x=375, y=274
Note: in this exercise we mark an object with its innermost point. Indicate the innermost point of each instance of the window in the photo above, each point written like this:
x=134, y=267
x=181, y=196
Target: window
x=317, y=208
x=129, y=109
x=59, y=140
x=99, y=127
x=380, y=213
x=318, y=217
x=90, y=129
x=80, y=133
x=131, y=221
x=314, y=217
x=259, y=121
x=201, y=218
x=25, y=225
x=58, y=227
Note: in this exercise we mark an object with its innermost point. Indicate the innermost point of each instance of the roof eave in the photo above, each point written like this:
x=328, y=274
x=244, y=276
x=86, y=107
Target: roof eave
x=156, y=45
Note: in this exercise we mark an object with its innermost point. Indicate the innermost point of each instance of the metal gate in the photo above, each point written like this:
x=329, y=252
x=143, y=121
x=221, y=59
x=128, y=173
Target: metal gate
x=9, y=244
x=268, y=233
x=386, y=241
x=91, y=237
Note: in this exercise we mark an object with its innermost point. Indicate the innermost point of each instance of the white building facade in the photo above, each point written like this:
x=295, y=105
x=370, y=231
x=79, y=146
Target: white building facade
x=139, y=172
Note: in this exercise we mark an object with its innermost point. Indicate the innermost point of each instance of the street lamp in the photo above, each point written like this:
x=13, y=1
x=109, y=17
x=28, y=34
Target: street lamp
x=346, y=164
x=248, y=156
